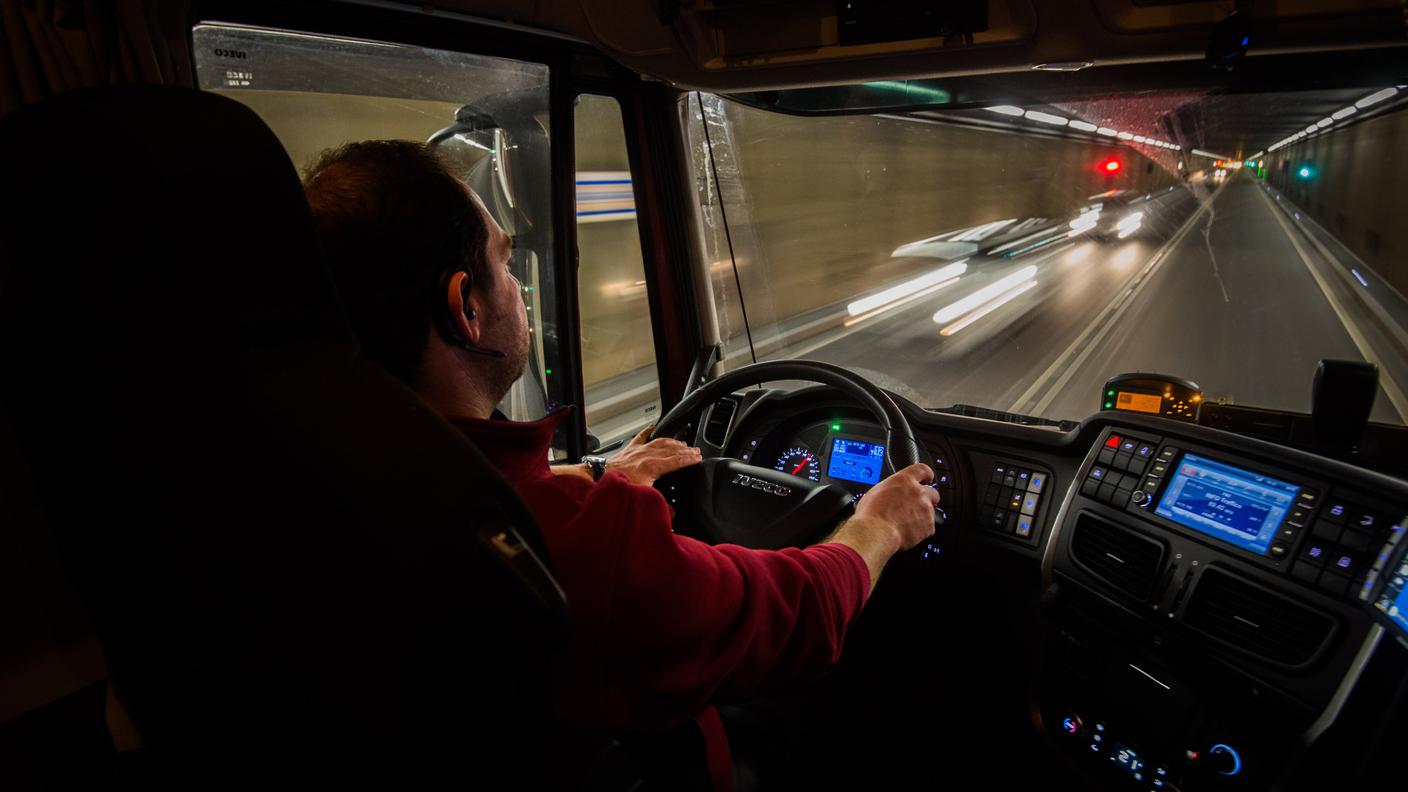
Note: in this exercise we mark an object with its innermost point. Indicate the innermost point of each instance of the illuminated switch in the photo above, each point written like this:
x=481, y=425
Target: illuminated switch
x=1366, y=520
x=1029, y=504
x=1336, y=511
x=1315, y=553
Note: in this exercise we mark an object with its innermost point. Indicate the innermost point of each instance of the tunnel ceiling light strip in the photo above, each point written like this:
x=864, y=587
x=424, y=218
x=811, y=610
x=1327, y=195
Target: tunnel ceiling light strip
x=1339, y=115
x=954, y=310
x=1001, y=300
x=1376, y=97
x=1209, y=154
x=1046, y=118
x=909, y=287
x=1077, y=124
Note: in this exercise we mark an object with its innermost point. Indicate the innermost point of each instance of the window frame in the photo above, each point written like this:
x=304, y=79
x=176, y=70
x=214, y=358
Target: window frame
x=654, y=144
x=655, y=153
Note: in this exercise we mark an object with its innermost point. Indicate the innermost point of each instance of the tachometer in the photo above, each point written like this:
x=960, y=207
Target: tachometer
x=799, y=461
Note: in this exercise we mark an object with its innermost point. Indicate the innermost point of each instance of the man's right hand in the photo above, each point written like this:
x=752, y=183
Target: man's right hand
x=895, y=515
x=905, y=501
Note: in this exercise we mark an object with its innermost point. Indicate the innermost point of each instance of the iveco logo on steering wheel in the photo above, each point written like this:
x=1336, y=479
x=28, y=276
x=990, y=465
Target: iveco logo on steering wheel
x=744, y=480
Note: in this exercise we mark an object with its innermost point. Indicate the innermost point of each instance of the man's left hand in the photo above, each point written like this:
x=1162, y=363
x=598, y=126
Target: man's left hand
x=643, y=461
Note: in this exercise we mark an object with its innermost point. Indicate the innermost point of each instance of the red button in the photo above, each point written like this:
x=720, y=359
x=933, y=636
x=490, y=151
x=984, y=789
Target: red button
x=1113, y=442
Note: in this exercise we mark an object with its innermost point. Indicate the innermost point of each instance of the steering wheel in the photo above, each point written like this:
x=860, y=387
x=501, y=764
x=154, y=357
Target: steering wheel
x=726, y=501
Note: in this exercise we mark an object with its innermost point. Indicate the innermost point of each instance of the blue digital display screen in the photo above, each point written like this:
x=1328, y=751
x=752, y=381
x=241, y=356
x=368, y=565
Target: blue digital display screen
x=1393, y=601
x=855, y=460
x=1234, y=505
x=1399, y=611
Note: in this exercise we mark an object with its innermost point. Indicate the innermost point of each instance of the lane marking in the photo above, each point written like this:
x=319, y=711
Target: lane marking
x=1053, y=380
x=1386, y=380
x=1392, y=325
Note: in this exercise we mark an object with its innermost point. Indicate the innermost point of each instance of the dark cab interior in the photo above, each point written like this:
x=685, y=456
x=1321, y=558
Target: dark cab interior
x=236, y=552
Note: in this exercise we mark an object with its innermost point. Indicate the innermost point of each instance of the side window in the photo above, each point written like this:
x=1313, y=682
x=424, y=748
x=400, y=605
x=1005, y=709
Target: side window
x=488, y=116
x=618, y=348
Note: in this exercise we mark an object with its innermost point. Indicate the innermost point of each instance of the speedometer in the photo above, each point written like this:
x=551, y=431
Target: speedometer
x=799, y=461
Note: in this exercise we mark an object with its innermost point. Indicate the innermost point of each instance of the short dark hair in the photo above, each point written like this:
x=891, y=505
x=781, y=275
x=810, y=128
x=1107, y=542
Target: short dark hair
x=394, y=222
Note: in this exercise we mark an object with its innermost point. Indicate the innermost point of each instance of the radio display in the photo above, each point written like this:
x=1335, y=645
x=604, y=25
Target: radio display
x=1139, y=402
x=1233, y=505
x=855, y=460
x=1393, y=601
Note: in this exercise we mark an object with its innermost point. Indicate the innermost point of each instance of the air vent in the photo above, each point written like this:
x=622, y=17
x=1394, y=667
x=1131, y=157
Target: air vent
x=1120, y=558
x=1255, y=620
x=720, y=416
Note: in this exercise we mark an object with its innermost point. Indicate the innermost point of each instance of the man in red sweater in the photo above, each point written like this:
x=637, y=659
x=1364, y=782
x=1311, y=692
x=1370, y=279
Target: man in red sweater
x=662, y=625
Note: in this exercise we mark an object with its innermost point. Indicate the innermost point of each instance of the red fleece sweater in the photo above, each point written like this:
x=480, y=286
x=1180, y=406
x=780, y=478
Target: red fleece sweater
x=664, y=625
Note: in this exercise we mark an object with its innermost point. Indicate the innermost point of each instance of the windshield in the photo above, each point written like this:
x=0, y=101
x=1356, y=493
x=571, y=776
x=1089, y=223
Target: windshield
x=1017, y=256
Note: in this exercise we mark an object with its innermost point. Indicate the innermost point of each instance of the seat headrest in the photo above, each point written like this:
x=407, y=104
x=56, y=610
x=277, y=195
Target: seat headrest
x=146, y=268
x=285, y=552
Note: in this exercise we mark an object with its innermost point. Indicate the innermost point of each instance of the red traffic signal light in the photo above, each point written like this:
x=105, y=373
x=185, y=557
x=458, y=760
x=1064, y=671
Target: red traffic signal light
x=1111, y=167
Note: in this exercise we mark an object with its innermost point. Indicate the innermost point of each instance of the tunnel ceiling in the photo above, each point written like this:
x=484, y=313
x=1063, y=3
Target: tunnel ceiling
x=1242, y=124
x=1235, y=125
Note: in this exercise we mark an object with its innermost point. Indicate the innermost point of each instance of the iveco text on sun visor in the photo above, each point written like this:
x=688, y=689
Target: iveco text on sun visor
x=855, y=460
x=1227, y=503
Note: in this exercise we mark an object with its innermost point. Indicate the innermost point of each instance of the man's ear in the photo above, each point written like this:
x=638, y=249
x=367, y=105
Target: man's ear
x=464, y=308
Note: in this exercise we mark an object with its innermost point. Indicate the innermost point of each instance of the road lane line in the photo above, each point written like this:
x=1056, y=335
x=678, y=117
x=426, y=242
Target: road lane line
x=1055, y=377
x=1390, y=324
x=1386, y=380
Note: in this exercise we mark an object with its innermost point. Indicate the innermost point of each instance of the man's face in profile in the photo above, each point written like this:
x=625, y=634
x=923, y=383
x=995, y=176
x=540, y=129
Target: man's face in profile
x=504, y=317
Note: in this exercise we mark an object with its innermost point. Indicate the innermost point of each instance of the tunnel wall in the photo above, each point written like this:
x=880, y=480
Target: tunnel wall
x=1355, y=189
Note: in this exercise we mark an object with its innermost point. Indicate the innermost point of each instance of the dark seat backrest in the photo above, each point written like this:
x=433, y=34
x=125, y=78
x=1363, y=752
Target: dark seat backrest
x=293, y=564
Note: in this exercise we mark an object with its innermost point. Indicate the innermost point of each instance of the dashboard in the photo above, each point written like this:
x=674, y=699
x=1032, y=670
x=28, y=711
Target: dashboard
x=1215, y=610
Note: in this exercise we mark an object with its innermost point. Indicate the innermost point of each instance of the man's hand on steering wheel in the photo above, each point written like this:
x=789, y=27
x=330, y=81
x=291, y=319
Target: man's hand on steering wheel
x=905, y=502
x=895, y=515
x=643, y=460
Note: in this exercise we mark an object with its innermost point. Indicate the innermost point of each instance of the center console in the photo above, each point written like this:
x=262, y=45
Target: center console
x=1181, y=555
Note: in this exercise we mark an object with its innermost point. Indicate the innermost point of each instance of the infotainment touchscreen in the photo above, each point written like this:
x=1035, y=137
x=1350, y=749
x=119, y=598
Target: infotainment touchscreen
x=1228, y=503
x=855, y=460
x=1393, y=601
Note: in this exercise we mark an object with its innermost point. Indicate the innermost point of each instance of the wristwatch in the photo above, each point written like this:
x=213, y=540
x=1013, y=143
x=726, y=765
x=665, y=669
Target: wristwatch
x=597, y=465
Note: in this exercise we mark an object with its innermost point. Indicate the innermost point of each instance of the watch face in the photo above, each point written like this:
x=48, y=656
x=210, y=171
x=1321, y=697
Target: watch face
x=596, y=464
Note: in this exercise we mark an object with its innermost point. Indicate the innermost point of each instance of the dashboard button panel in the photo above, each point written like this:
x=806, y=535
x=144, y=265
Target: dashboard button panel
x=1013, y=496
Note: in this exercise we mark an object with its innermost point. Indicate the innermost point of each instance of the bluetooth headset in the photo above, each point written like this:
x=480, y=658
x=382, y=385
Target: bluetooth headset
x=444, y=321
